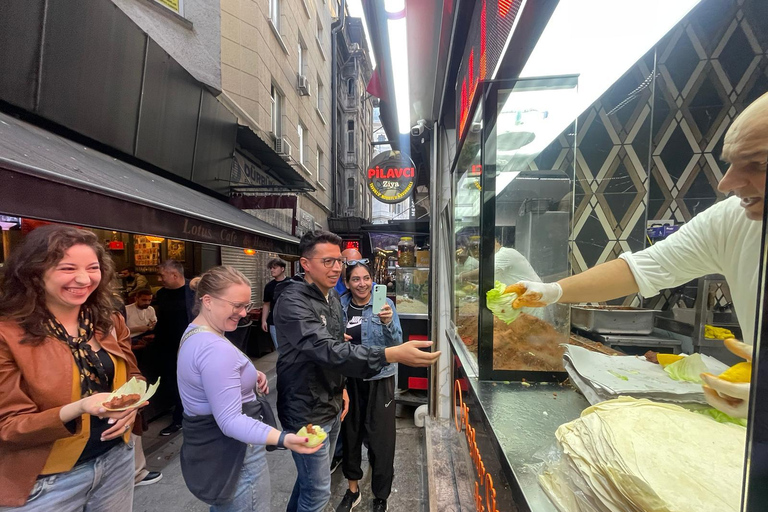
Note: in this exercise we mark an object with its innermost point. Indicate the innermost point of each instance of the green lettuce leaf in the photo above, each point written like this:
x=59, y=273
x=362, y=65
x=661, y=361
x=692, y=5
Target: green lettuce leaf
x=500, y=303
x=721, y=417
x=688, y=368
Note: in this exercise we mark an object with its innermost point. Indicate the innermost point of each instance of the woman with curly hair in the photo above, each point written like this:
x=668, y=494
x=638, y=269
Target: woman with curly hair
x=63, y=348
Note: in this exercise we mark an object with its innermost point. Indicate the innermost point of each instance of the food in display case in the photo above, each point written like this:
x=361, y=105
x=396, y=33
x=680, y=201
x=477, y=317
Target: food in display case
x=406, y=252
x=528, y=343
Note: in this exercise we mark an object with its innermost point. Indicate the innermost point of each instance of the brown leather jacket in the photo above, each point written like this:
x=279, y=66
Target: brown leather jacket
x=36, y=381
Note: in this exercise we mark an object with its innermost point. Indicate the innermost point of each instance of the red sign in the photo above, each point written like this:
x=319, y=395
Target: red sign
x=351, y=244
x=116, y=246
x=492, y=24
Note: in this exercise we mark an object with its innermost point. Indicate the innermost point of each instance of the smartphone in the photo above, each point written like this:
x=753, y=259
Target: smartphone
x=379, y=298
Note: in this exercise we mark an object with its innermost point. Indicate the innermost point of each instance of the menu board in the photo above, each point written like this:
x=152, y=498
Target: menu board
x=146, y=255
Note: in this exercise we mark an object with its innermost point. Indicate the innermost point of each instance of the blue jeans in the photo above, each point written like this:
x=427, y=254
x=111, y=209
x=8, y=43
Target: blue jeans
x=273, y=333
x=253, y=492
x=312, y=489
x=104, y=484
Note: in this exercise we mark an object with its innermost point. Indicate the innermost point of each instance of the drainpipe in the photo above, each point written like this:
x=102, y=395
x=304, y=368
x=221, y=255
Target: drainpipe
x=336, y=27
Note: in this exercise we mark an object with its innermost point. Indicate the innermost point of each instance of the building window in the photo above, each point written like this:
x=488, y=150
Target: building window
x=351, y=192
x=276, y=111
x=274, y=13
x=351, y=86
x=301, y=53
x=319, y=164
x=319, y=33
x=320, y=93
x=350, y=136
x=361, y=195
x=302, y=134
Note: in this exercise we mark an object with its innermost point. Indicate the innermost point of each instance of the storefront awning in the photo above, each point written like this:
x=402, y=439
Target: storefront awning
x=272, y=163
x=48, y=177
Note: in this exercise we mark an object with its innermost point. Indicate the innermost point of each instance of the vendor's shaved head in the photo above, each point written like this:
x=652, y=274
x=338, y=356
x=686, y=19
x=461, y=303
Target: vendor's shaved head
x=746, y=149
x=351, y=254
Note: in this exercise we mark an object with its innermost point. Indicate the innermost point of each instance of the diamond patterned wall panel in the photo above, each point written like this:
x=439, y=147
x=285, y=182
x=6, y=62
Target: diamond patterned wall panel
x=649, y=148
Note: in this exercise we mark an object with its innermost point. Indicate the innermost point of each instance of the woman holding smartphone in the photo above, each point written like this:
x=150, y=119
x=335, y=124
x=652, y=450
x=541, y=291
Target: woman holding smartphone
x=371, y=401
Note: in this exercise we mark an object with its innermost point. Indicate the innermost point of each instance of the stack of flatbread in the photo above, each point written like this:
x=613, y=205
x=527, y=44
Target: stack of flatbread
x=634, y=455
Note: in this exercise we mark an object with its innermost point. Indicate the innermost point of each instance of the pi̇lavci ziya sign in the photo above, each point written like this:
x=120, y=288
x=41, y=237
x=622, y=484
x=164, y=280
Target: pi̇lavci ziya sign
x=391, y=177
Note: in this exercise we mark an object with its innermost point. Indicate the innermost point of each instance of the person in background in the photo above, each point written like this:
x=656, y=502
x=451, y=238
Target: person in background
x=350, y=255
x=174, y=304
x=216, y=382
x=371, y=411
x=140, y=316
x=276, y=268
x=63, y=349
x=314, y=358
x=723, y=239
x=133, y=281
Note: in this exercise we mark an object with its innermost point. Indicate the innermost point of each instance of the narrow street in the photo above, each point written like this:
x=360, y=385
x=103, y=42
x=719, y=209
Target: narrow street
x=171, y=494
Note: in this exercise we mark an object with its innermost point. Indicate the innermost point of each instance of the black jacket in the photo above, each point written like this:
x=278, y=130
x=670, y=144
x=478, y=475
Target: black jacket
x=313, y=356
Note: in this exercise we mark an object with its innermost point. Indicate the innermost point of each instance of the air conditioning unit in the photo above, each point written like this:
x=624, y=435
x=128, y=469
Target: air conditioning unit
x=354, y=47
x=282, y=147
x=303, y=85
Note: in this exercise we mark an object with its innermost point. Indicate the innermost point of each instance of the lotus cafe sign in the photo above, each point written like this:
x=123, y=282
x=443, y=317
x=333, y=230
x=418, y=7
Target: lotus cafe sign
x=391, y=177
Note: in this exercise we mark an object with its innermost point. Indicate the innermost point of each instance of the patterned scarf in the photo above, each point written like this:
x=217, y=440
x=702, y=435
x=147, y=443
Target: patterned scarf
x=93, y=378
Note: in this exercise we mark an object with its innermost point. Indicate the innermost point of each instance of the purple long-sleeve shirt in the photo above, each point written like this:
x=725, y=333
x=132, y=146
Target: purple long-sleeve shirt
x=216, y=378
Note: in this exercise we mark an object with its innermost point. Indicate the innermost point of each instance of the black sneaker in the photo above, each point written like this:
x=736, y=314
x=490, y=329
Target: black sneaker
x=335, y=463
x=152, y=478
x=349, y=501
x=170, y=429
x=379, y=505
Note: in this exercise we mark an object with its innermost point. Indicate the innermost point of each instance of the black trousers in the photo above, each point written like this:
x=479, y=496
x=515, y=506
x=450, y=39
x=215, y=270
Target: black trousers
x=371, y=415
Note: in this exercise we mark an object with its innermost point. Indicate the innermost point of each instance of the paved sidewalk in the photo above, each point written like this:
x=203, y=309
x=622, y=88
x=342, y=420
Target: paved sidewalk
x=171, y=494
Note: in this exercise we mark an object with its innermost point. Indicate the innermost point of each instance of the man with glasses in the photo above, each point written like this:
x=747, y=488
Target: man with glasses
x=174, y=305
x=314, y=360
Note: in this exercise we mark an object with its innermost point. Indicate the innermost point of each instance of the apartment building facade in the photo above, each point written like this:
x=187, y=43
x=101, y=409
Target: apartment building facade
x=276, y=77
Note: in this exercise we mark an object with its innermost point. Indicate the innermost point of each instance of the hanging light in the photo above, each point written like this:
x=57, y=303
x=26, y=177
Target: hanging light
x=155, y=239
x=249, y=252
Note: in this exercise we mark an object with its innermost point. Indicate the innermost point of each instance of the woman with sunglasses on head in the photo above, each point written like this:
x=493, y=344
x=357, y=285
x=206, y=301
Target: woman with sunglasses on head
x=371, y=411
x=63, y=349
x=223, y=458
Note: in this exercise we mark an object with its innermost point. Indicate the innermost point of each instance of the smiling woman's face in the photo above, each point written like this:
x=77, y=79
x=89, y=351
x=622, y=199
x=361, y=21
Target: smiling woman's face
x=71, y=281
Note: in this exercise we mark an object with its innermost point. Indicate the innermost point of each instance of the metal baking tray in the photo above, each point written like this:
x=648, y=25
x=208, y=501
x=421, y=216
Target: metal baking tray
x=613, y=319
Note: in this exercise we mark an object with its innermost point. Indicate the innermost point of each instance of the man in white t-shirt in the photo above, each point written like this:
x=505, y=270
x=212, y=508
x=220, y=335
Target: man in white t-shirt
x=140, y=316
x=724, y=239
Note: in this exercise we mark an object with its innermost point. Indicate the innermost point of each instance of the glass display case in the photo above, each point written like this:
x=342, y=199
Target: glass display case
x=412, y=292
x=513, y=188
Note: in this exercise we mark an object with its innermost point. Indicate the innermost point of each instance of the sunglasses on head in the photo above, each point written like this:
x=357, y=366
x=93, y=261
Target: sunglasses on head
x=352, y=263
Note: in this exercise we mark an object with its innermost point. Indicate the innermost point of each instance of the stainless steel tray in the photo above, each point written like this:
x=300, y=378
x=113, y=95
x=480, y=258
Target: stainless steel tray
x=613, y=319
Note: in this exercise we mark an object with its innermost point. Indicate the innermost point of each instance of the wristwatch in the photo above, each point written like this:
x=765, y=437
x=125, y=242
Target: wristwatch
x=281, y=439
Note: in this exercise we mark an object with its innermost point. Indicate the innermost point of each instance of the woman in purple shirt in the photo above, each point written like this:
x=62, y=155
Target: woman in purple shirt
x=216, y=382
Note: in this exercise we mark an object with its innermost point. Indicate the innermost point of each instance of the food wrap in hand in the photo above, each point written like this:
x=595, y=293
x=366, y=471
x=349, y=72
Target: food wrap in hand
x=133, y=386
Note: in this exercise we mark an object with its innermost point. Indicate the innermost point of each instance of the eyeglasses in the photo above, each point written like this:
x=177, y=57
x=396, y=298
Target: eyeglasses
x=352, y=263
x=237, y=306
x=330, y=262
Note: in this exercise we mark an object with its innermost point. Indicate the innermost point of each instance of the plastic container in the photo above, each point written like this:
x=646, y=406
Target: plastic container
x=406, y=252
